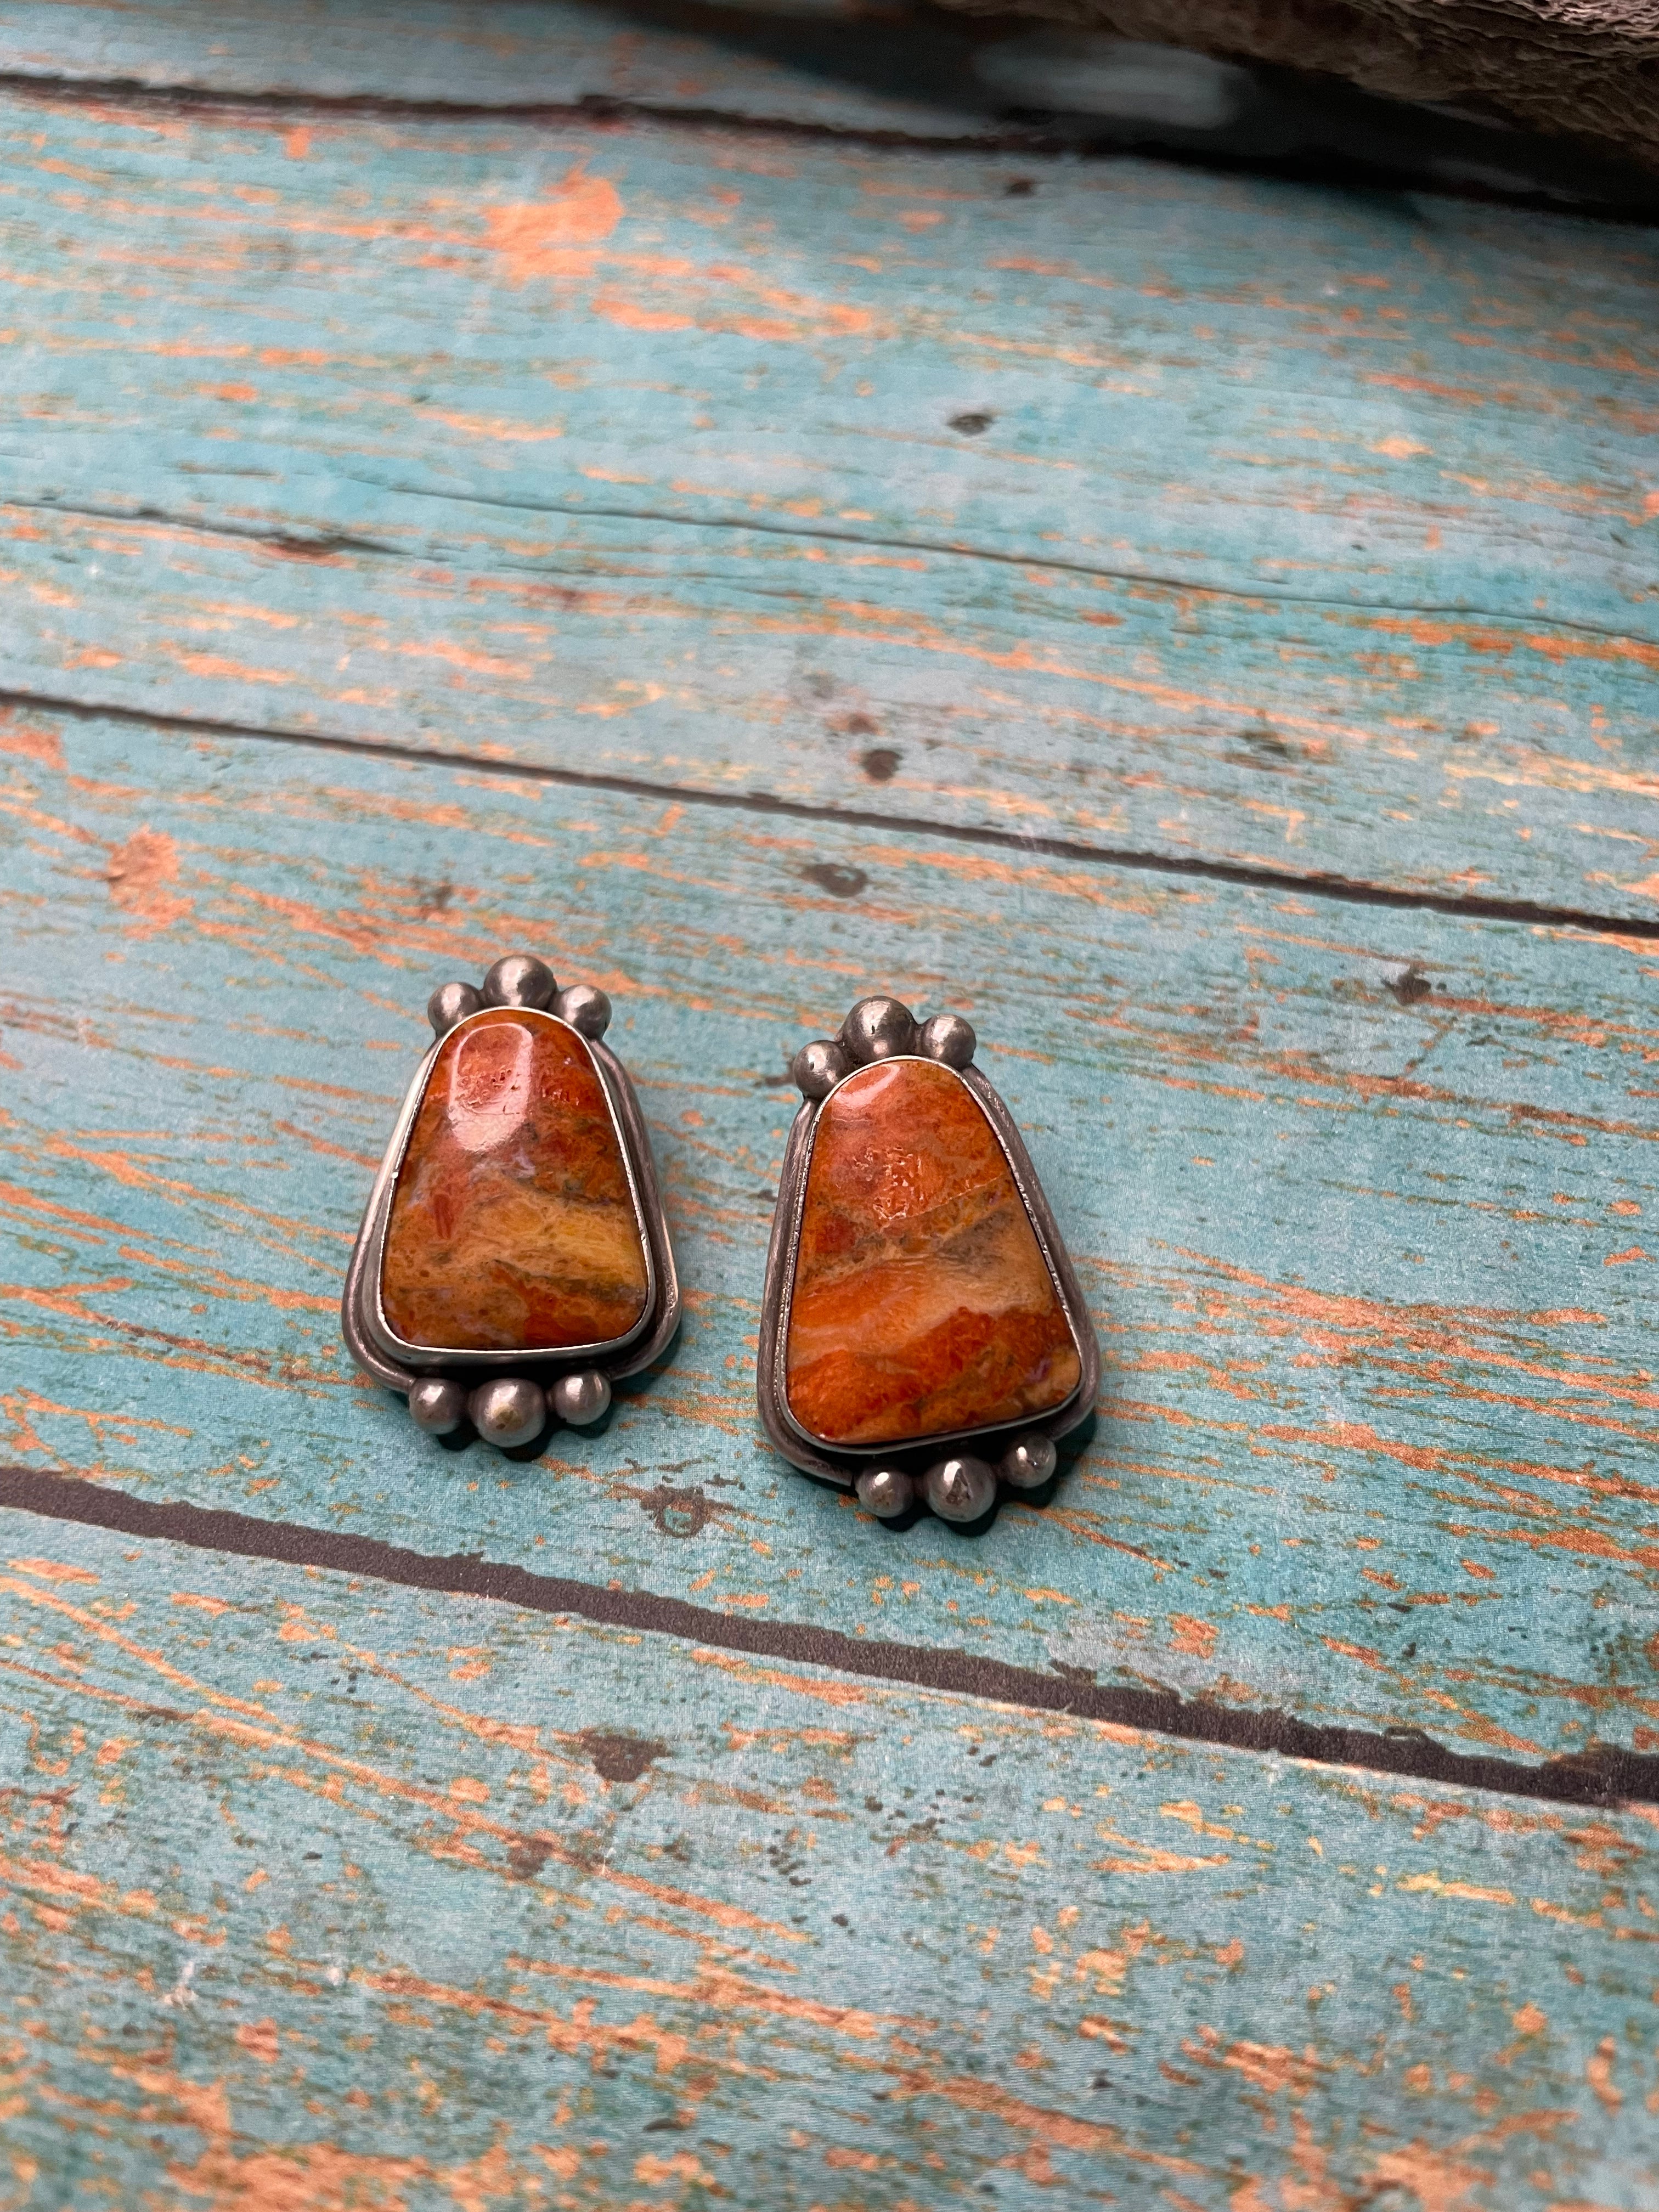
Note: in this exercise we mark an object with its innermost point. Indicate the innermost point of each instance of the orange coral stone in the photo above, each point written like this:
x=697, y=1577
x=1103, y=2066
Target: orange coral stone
x=512, y=1225
x=922, y=1304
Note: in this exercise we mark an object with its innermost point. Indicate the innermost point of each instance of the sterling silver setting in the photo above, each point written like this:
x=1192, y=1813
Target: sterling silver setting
x=509, y=1398
x=957, y=1476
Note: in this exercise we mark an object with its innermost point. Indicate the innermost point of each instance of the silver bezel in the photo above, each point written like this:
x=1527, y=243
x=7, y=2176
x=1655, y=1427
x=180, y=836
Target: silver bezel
x=842, y=1463
x=369, y=1337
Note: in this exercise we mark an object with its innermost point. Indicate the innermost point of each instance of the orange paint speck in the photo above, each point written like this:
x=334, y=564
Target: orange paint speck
x=627, y=317
x=43, y=745
x=1191, y=1635
x=50, y=1571
x=1598, y=2072
x=138, y=875
x=533, y=237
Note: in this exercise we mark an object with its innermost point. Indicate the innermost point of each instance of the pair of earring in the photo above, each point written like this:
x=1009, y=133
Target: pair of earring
x=922, y=1338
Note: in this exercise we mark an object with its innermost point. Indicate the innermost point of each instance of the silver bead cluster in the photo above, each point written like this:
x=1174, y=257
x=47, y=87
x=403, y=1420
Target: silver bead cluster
x=509, y=1409
x=520, y=979
x=880, y=1028
x=961, y=1488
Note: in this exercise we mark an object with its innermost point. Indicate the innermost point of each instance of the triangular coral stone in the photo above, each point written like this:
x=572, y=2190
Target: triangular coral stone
x=512, y=1225
x=922, y=1304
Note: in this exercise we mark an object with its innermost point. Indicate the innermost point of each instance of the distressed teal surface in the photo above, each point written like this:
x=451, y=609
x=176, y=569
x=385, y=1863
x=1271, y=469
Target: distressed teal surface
x=1305, y=530
x=316, y=1894
x=1290, y=527
x=489, y=53
x=1369, y=1244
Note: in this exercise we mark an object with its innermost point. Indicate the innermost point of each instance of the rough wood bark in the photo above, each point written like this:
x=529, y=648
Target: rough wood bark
x=1587, y=68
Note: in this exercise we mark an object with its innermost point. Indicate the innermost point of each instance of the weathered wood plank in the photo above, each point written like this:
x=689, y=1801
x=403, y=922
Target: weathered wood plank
x=504, y=53
x=1179, y=512
x=822, y=65
x=1368, y=1241
x=328, y=1893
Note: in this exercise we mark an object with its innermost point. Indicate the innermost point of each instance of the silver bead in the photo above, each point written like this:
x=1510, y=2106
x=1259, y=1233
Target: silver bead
x=1029, y=1461
x=960, y=1489
x=877, y=1028
x=948, y=1038
x=507, y=1411
x=886, y=1492
x=436, y=1405
x=449, y=1004
x=580, y=1398
x=520, y=980
x=586, y=1007
x=817, y=1068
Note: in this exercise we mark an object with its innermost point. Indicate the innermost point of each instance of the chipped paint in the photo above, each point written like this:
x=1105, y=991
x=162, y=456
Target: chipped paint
x=403, y=2003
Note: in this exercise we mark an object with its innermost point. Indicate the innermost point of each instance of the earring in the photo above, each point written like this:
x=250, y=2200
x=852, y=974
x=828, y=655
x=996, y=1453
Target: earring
x=513, y=1261
x=922, y=1331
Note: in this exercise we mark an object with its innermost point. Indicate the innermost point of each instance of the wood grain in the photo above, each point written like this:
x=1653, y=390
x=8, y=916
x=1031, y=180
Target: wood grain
x=1362, y=1204
x=757, y=62
x=1190, y=516
x=319, y=1893
x=1187, y=515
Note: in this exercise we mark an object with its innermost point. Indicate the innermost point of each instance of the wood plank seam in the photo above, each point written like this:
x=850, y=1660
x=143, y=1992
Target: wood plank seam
x=1342, y=891
x=590, y=107
x=1031, y=141
x=1023, y=562
x=1606, y=1776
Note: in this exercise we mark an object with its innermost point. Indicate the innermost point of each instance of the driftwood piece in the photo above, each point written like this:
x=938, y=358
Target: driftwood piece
x=1585, y=69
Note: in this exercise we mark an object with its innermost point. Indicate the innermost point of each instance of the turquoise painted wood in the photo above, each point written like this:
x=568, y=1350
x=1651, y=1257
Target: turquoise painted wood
x=323, y=1894
x=1194, y=514
x=495, y=53
x=1370, y=1244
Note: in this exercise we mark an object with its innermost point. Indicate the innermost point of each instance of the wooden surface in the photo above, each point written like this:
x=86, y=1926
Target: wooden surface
x=476, y=1929
x=1374, y=1279
x=428, y=534
x=1286, y=530
x=765, y=64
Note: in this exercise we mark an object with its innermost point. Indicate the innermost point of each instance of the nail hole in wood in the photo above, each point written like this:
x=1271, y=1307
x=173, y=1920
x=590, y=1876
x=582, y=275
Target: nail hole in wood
x=834, y=876
x=1409, y=987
